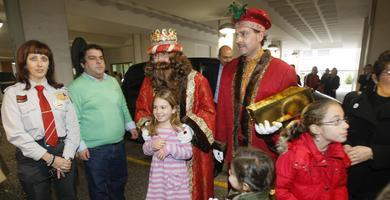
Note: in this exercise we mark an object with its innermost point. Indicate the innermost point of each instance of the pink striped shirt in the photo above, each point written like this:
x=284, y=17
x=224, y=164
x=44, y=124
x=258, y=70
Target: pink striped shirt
x=168, y=178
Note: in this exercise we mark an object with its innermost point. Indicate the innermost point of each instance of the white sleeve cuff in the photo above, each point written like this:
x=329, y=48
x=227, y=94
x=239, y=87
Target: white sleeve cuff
x=38, y=154
x=67, y=154
x=130, y=125
x=82, y=146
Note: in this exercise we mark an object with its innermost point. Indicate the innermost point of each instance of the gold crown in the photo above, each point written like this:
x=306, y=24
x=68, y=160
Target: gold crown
x=164, y=36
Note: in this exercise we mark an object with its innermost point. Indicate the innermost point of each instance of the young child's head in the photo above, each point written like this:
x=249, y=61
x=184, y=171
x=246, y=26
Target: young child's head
x=251, y=171
x=324, y=120
x=165, y=110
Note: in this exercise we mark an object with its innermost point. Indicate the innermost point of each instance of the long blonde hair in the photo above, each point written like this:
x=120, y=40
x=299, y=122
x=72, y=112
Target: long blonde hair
x=167, y=95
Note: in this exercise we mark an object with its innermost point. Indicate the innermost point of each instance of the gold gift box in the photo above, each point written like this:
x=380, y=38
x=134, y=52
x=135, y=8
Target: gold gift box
x=282, y=106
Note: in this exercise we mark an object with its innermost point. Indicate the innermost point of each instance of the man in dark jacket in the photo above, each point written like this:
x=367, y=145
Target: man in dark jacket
x=312, y=80
x=213, y=73
x=365, y=79
x=332, y=84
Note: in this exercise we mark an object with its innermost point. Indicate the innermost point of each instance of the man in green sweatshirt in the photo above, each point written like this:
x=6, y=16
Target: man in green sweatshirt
x=103, y=116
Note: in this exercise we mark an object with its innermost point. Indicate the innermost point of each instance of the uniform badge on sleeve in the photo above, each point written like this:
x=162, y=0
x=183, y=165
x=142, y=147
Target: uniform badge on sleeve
x=21, y=98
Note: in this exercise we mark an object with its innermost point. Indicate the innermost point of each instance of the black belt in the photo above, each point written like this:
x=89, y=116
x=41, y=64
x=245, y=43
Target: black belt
x=42, y=141
x=57, y=150
x=60, y=140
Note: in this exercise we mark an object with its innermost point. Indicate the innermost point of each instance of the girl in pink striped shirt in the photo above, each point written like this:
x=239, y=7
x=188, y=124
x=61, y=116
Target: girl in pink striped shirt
x=167, y=140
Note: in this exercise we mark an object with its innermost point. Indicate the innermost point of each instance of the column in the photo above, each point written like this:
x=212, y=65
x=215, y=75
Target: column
x=380, y=31
x=43, y=20
x=137, y=48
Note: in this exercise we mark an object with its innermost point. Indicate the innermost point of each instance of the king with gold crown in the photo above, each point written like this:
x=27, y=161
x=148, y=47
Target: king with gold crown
x=164, y=41
x=169, y=68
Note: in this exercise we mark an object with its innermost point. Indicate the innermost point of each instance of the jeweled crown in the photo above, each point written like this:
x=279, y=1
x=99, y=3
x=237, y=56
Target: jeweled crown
x=164, y=36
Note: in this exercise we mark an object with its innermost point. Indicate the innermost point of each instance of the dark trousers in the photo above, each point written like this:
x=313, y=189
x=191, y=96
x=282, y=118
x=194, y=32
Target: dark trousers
x=106, y=171
x=363, y=197
x=36, y=178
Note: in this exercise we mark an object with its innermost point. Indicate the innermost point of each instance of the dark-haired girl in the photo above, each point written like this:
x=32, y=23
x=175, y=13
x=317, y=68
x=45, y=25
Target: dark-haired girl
x=251, y=174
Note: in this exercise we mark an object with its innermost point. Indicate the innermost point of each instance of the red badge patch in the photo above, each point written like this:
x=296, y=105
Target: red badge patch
x=21, y=98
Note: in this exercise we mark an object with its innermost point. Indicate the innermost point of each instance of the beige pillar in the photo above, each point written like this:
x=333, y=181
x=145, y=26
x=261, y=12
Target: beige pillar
x=380, y=30
x=43, y=20
x=137, y=48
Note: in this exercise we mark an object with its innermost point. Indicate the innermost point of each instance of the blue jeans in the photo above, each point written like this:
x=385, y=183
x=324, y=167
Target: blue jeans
x=106, y=172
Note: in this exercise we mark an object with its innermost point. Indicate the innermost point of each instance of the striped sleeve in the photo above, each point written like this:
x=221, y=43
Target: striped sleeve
x=147, y=148
x=179, y=150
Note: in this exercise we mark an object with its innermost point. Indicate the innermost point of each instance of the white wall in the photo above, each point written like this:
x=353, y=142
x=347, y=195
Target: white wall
x=46, y=22
x=198, y=48
x=192, y=49
x=118, y=55
x=380, y=32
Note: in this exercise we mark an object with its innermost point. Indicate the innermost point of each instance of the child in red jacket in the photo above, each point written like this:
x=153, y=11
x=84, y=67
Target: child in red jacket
x=313, y=164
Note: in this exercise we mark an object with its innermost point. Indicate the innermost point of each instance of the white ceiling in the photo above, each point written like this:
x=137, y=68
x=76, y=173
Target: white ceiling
x=314, y=23
x=316, y=20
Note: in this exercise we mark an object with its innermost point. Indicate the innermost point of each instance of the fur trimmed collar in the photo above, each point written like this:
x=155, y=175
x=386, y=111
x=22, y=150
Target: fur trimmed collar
x=241, y=119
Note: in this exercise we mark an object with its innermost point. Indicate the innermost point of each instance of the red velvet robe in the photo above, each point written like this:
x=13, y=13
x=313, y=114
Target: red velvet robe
x=200, y=116
x=274, y=75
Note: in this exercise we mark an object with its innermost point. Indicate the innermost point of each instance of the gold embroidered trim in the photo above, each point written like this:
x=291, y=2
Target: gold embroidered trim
x=250, y=66
x=253, y=96
x=190, y=102
x=203, y=126
x=190, y=174
x=190, y=91
x=250, y=24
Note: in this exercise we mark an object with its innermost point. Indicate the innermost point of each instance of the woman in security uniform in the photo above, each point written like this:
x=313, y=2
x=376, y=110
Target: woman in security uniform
x=39, y=119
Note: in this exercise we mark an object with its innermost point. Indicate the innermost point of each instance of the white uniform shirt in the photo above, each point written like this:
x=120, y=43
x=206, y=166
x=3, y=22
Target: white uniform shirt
x=23, y=124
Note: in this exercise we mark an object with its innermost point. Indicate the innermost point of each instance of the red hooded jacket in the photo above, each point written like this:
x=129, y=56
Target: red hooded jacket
x=304, y=173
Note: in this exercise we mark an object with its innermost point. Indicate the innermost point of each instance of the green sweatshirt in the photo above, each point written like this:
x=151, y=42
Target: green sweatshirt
x=101, y=109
